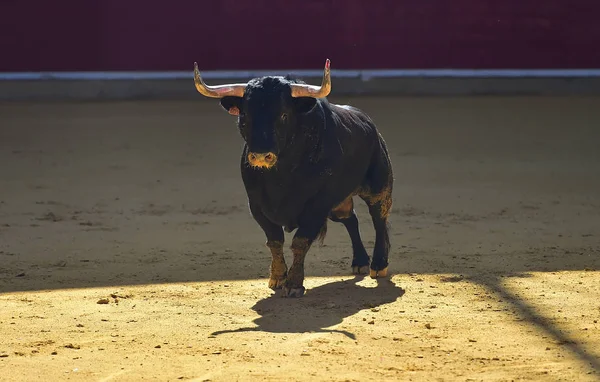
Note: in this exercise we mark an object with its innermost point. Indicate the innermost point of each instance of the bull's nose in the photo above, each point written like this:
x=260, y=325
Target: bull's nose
x=262, y=159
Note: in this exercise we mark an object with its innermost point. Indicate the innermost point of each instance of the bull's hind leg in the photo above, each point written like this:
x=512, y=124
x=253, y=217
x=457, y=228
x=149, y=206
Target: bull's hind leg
x=344, y=213
x=378, y=196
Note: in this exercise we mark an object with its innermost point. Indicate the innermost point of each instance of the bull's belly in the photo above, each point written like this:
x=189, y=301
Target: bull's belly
x=288, y=214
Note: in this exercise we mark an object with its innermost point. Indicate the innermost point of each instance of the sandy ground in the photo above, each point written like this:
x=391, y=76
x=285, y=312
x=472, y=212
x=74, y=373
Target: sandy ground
x=127, y=251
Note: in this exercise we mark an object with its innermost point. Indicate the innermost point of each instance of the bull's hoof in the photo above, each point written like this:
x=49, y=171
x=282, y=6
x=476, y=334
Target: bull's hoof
x=378, y=274
x=356, y=270
x=275, y=283
x=293, y=292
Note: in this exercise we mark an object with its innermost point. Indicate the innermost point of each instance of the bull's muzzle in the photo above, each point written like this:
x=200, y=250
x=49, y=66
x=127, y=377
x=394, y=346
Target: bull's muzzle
x=262, y=160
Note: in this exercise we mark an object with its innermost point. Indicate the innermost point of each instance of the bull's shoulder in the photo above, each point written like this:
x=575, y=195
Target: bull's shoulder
x=337, y=108
x=352, y=120
x=348, y=107
x=351, y=113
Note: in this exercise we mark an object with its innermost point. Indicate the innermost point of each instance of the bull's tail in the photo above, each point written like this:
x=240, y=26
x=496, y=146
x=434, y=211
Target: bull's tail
x=322, y=234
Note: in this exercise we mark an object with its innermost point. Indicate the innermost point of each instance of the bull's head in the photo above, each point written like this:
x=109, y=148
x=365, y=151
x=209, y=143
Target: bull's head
x=268, y=110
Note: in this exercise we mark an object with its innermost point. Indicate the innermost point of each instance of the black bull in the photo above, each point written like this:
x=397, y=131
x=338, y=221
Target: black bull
x=303, y=161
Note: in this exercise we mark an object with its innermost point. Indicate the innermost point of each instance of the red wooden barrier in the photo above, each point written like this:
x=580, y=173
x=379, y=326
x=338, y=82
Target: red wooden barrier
x=76, y=35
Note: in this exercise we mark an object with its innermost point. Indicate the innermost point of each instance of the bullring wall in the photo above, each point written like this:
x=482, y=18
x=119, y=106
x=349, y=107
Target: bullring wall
x=404, y=40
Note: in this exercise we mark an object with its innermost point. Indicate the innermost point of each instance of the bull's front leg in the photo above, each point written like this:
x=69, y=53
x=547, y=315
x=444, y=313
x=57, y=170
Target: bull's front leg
x=294, y=284
x=275, y=239
x=303, y=239
x=278, y=270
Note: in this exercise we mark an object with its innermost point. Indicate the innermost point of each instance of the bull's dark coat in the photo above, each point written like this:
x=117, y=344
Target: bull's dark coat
x=326, y=154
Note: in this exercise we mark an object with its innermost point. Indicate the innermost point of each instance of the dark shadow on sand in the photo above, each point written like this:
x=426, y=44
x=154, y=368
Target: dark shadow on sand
x=321, y=307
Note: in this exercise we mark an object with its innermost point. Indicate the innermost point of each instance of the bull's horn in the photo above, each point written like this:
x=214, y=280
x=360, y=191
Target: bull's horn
x=302, y=90
x=219, y=91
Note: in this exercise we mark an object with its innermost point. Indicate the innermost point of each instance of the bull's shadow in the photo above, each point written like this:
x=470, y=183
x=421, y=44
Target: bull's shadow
x=321, y=307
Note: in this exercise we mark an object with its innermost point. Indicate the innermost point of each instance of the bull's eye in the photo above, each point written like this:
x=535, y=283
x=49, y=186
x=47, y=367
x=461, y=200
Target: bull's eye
x=284, y=117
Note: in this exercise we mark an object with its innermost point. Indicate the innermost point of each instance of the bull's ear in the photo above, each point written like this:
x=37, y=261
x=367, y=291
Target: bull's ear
x=232, y=104
x=304, y=104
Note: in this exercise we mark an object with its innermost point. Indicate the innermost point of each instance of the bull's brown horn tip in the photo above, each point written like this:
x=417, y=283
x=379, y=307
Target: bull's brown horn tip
x=327, y=64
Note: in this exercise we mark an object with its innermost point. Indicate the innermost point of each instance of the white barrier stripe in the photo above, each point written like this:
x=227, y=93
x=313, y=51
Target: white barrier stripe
x=362, y=74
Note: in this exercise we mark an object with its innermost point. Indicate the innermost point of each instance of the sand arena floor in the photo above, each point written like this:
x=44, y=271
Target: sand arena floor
x=140, y=206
